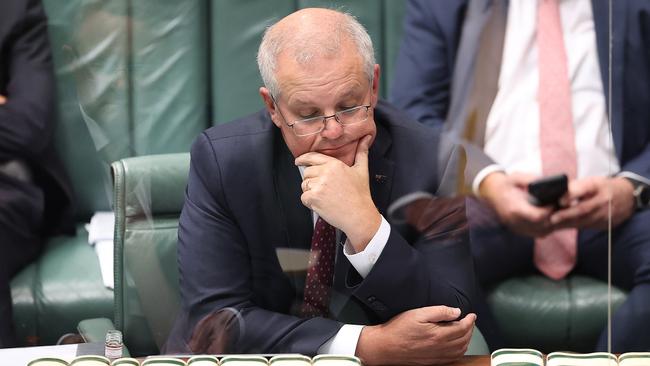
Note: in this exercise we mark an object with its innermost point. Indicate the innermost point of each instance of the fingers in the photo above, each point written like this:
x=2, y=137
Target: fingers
x=583, y=214
x=361, y=157
x=306, y=184
x=435, y=314
x=313, y=158
x=3, y=100
x=457, y=329
x=579, y=189
x=521, y=180
x=587, y=198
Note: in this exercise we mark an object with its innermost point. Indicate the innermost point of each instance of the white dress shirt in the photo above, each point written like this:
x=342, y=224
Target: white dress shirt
x=512, y=130
x=346, y=339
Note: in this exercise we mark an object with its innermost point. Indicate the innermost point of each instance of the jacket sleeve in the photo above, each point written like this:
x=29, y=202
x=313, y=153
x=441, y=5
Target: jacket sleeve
x=422, y=75
x=216, y=274
x=640, y=164
x=435, y=268
x=26, y=122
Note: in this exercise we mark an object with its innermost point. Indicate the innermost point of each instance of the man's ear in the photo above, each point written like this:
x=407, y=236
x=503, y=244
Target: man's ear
x=375, y=85
x=270, y=106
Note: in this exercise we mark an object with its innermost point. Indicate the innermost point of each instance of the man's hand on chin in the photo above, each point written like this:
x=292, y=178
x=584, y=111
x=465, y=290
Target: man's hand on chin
x=425, y=336
x=340, y=194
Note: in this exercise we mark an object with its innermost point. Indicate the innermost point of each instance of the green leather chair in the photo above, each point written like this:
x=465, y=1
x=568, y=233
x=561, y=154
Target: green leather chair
x=149, y=193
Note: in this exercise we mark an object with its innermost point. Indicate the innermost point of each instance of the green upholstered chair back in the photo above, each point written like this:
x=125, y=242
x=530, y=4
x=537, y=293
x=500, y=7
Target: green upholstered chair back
x=139, y=77
x=148, y=194
x=236, y=28
x=130, y=81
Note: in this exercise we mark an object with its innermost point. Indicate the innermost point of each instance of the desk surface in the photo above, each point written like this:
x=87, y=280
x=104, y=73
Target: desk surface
x=473, y=361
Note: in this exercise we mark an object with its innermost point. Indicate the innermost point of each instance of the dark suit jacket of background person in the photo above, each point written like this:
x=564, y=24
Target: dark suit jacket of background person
x=27, y=119
x=428, y=58
x=243, y=202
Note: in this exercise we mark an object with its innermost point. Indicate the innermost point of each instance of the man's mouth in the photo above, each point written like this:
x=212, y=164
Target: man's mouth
x=332, y=150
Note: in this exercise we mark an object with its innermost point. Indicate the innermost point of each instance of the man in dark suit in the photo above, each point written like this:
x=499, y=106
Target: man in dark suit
x=325, y=156
x=35, y=198
x=483, y=80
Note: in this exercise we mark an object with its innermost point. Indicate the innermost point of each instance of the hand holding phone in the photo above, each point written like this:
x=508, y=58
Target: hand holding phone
x=548, y=190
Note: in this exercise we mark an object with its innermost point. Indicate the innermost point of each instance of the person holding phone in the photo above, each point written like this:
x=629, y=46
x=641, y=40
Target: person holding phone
x=525, y=83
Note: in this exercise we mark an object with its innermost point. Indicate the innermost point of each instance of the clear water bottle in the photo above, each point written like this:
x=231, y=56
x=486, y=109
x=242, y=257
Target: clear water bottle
x=113, y=346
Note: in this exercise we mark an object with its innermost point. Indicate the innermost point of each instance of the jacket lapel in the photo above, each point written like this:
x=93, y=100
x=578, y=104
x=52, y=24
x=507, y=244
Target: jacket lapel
x=380, y=170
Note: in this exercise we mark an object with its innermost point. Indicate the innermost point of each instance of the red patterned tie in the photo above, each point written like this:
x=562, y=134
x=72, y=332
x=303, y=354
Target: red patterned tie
x=318, y=284
x=555, y=254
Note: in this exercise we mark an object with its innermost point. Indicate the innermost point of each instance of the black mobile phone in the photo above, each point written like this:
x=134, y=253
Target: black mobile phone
x=548, y=190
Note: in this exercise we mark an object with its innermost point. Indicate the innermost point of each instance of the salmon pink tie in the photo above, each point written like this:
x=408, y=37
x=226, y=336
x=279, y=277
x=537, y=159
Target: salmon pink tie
x=318, y=284
x=555, y=254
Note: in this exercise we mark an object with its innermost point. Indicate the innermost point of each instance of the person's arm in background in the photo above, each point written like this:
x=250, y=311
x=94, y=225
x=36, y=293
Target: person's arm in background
x=424, y=66
x=26, y=116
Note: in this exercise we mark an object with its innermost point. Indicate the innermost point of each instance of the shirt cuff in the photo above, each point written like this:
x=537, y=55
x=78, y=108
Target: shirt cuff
x=365, y=260
x=344, y=342
x=484, y=173
x=634, y=176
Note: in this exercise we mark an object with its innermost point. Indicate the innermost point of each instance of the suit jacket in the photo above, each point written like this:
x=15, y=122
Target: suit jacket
x=27, y=119
x=243, y=202
x=434, y=69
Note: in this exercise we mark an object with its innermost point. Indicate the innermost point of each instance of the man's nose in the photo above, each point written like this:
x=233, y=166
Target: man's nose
x=333, y=129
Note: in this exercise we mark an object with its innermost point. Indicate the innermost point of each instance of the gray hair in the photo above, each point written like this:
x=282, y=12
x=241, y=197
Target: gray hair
x=307, y=44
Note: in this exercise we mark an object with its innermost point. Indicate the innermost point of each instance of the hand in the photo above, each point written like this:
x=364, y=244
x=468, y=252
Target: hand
x=340, y=194
x=423, y=336
x=588, y=203
x=3, y=99
x=508, y=195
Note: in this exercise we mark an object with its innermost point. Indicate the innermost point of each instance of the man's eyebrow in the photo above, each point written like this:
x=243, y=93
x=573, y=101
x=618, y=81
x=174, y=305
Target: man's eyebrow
x=349, y=93
x=301, y=103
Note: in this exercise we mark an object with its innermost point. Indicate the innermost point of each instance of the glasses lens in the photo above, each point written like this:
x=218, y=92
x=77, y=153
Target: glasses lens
x=308, y=126
x=353, y=115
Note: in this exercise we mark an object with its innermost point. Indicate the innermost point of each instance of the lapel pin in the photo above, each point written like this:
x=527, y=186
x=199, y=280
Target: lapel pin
x=380, y=178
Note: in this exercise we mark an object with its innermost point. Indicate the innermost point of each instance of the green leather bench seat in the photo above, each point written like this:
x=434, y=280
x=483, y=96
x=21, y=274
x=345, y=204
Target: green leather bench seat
x=60, y=288
x=536, y=312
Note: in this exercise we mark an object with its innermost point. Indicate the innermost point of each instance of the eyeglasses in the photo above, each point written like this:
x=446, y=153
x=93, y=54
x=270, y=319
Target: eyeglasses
x=314, y=125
